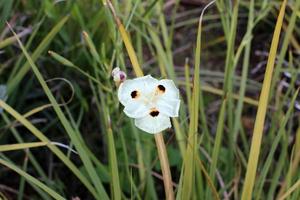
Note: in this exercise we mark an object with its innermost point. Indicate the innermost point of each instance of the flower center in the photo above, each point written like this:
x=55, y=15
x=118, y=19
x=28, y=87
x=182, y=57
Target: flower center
x=149, y=99
x=152, y=98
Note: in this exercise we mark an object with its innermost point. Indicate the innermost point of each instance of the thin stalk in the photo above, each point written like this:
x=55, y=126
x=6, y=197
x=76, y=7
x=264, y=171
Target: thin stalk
x=228, y=79
x=290, y=190
x=188, y=182
x=217, y=145
x=160, y=144
x=246, y=59
x=164, y=163
x=285, y=44
x=293, y=168
x=22, y=179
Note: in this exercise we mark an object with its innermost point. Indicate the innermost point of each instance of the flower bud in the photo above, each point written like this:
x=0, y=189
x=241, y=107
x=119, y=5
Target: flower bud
x=118, y=75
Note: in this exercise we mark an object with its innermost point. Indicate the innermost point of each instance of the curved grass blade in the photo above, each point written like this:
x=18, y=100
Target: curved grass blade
x=246, y=62
x=189, y=158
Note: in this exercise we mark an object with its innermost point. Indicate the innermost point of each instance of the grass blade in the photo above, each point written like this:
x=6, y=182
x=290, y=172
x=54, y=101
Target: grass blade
x=246, y=62
x=32, y=179
x=217, y=145
x=285, y=43
x=12, y=147
x=190, y=153
x=12, y=39
x=53, y=148
x=125, y=37
x=275, y=143
x=78, y=145
x=295, y=163
x=38, y=51
x=261, y=112
x=290, y=190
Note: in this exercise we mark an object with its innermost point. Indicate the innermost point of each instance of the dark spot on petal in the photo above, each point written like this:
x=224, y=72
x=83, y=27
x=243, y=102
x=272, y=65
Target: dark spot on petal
x=154, y=113
x=161, y=88
x=134, y=94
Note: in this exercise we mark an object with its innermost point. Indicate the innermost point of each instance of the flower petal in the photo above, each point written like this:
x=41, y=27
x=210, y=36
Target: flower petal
x=154, y=124
x=136, y=109
x=142, y=86
x=168, y=89
x=169, y=107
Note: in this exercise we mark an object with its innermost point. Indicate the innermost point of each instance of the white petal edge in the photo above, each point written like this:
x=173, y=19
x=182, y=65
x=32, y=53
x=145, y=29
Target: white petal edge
x=153, y=125
x=169, y=107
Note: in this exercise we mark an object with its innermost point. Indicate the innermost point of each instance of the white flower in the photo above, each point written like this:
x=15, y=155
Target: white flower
x=150, y=102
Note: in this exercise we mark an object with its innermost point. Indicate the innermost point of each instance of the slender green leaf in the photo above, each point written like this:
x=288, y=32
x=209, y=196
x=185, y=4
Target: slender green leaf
x=261, y=112
x=32, y=179
x=12, y=147
x=86, y=161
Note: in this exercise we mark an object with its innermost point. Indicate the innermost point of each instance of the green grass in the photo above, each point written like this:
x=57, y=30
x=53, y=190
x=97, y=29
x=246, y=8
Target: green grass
x=62, y=130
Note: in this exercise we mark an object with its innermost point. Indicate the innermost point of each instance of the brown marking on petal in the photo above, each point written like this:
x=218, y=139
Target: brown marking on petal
x=134, y=94
x=154, y=112
x=160, y=89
